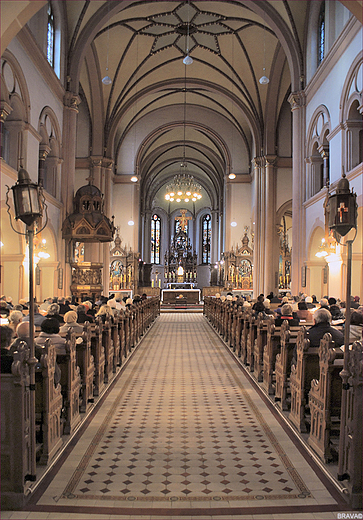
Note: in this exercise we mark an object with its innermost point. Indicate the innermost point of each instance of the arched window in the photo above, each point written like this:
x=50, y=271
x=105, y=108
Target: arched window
x=321, y=33
x=50, y=36
x=206, y=237
x=155, y=239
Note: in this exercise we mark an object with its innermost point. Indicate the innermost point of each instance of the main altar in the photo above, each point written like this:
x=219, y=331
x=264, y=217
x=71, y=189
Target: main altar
x=180, y=262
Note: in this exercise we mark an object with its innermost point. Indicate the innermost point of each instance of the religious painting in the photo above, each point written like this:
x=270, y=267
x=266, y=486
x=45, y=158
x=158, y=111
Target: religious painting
x=245, y=274
x=116, y=272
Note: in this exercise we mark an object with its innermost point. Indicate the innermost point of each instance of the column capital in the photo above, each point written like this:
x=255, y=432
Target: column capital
x=270, y=160
x=44, y=151
x=5, y=110
x=71, y=101
x=324, y=151
x=297, y=100
x=258, y=162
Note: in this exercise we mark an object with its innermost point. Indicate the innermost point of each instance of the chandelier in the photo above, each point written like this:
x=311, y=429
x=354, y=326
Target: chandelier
x=183, y=188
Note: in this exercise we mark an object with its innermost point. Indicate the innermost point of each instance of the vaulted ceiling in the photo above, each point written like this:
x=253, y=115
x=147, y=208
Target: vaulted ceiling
x=157, y=109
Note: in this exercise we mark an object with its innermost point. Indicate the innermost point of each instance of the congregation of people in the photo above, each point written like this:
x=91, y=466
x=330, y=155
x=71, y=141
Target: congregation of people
x=52, y=319
x=320, y=317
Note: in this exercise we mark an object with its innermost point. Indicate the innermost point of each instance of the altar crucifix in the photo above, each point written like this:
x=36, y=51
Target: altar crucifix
x=183, y=219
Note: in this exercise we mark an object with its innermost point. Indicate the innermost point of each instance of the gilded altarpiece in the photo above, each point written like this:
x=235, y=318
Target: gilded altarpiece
x=123, y=267
x=238, y=267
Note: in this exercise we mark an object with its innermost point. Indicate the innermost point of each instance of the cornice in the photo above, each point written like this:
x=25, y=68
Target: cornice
x=31, y=47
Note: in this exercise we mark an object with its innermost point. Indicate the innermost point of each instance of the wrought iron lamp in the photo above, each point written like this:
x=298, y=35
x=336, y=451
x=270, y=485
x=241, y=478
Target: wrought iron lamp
x=343, y=219
x=28, y=205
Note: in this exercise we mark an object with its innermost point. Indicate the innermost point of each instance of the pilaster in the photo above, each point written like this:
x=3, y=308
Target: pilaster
x=298, y=107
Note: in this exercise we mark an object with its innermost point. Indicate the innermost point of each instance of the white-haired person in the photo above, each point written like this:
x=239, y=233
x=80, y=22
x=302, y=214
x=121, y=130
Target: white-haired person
x=105, y=312
x=70, y=323
x=14, y=318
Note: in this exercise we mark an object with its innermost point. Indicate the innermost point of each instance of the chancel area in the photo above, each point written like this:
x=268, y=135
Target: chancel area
x=181, y=218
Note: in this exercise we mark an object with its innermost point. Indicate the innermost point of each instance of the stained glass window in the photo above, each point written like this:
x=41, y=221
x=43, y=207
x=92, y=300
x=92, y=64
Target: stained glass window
x=50, y=36
x=321, y=33
x=206, y=236
x=155, y=239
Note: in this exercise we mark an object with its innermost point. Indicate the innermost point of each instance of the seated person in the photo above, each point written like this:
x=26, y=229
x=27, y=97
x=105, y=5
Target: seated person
x=259, y=306
x=38, y=318
x=22, y=335
x=284, y=300
x=322, y=324
x=303, y=312
x=104, y=313
x=15, y=317
x=53, y=312
x=6, y=335
x=356, y=326
x=336, y=313
x=286, y=314
x=268, y=311
x=50, y=329
x=70, y=323
x=4, y=309
x=82, y=315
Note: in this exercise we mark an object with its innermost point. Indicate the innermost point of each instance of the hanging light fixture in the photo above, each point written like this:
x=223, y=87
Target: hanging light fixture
x=264, y=79
x=107, y=80
x=183, y=188
x=188, y=60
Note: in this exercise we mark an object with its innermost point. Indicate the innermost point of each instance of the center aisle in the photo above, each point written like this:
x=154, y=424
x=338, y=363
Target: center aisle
x=184, y=429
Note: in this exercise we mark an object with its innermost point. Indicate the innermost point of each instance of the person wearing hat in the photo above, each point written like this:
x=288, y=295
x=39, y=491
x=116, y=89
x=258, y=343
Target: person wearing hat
x=70, y=323
x=50, y=330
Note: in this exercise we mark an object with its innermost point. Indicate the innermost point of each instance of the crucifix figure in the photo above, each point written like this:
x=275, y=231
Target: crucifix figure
x=183, y=219
x=342, y=209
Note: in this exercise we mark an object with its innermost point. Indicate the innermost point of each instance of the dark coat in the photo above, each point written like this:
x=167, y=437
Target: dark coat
x=317, y=331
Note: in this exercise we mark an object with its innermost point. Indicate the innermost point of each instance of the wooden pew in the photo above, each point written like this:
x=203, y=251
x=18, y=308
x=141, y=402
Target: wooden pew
x=247, y=314
x=238, y=331
x=86, y=366
x=48, y=405
x=351, y=458
x=269, y=356
x=325, y=399
x=108, y=349
x=70, y=383
x=251, y=338
x=116, y=343
x=16, y=452
x=288, y=338
x=306, y=369
x=260, y=343
x=98, y=353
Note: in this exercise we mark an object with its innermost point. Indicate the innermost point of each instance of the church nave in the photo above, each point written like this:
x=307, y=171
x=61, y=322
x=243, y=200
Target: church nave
x=183, y=432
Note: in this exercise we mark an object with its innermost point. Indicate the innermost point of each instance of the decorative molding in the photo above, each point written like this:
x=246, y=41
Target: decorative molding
x=297, y=100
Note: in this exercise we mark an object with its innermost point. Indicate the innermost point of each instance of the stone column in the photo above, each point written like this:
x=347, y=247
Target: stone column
x=147, y=237
x=270, y=263
x=324, y=152
x=71, y=102
x=107, y=174
x=215, y=237
x=5, y=110
x=43, y=154
x=297, y=102
x=259, y=251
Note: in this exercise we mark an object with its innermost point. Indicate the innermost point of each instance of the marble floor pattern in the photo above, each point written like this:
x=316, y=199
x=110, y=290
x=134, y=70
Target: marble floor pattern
x=182, y=431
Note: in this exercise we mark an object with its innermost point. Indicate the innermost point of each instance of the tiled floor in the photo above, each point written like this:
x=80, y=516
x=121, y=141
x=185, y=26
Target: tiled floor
x=183, y=433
